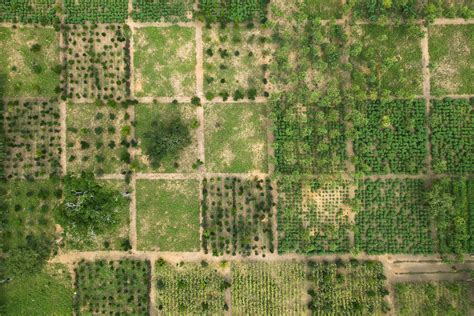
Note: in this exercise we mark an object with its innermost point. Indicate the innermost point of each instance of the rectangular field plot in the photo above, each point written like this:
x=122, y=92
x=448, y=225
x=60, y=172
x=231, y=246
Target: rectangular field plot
x=236, y=11
x=167, y=138
x=236, y=138
x=237, y=216
x=347, y=288
x=164, y=61
x=452, y=135
x=157, y=10
x=260, y=288
x=32, y=135
x=235, y=62
x=32, y=11
x=168, y=215
x=387, y=61
x=116, y=238
x=112, y=287
x=393, y=217
x=29, y=63
x=98, y=137
x=190, y=289
x=313, y=217
x=103, y=11
x=451, y=50
x=433, y=298
x=98, y=62
x=391, y=137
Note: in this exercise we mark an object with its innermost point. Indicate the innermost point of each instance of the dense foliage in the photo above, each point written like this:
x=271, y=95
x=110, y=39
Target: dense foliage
x=165, y=138
x=347, y=288
x=112, y=287
x=451, y=205
x=28, y=11
x=390, y=137
x=158, y=10
x=108, y=11
x=233, y=10
x=452, y=135
x=89, y=208
x=313, y=216
x=237, y=216
x=392, y=217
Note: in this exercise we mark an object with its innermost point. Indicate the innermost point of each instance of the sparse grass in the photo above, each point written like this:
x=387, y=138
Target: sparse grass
x=145, y=114
x=164, y=61
x=168, y=215
x=452, y=59
x=24, y=72
x=236, y=139
x=48, y=292
x=388, y=61
x=326, y=9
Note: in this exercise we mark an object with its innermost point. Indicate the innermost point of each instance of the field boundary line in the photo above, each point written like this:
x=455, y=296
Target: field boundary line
x=425, y=60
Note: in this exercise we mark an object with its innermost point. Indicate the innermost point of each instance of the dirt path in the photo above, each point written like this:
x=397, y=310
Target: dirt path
x=133, y=214
x=201, y=138
x=199, y=61
x=62, y=111
x=425, y=59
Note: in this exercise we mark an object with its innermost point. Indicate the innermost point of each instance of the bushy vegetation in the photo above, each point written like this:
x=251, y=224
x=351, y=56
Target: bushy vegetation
x=108, y=11
x=28, y=11
x=237, y=216
x=233, y=10
x=392, y=217
x=161, y=10
x=261, y=288
x=390, y=137
x=452, y=135
x=313, y=216
x=189, y=288
x=112, y=287
x=347, y=288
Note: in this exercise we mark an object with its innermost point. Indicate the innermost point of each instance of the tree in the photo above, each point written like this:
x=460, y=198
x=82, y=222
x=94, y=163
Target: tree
x=165, y=138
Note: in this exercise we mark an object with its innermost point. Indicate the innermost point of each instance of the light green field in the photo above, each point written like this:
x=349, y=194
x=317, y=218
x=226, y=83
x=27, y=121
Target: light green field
x=452, y=59
x=164, y=61
x=17, y=62
x=235, y=138
x=168, y=215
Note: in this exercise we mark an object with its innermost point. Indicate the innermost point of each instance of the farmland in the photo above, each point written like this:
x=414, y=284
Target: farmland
x=236, y=157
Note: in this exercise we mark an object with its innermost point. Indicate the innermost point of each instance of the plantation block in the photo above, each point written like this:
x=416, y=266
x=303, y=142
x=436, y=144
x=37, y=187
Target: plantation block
x=156, y=10
x=168, y=215
x=164, y=62
x=32, y=11
x=236, y=138
x=103, y=11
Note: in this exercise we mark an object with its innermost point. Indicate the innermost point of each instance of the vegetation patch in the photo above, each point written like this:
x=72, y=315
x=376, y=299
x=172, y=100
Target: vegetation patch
x=233, y=10
x=190, y=288
x=452, y=135
x=236, y=138
x=108, y=11
x=390, y=137
x=32, y=132
x=97, y=61
x=158, y=10
x=236, y=62
x=392, y=217
x=313, y=216
x=167, y=138
x=164, y=61
x=168, y=215
x=47, y=292
x=451, y=59
x=35, y=11
x=112, y=287
x=347, y=288
x=94, y=214
x=29, y=63
x=98, y=137
x=237, y=216
x=260, y=288
x=386, y=61
x=433, y=298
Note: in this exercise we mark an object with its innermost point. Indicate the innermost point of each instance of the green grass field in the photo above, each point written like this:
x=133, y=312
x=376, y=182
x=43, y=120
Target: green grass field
x=235, y=138
x=452, y=59
x=26, y=71
x=145, y=114
x=164, y=61
x=168, y=215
